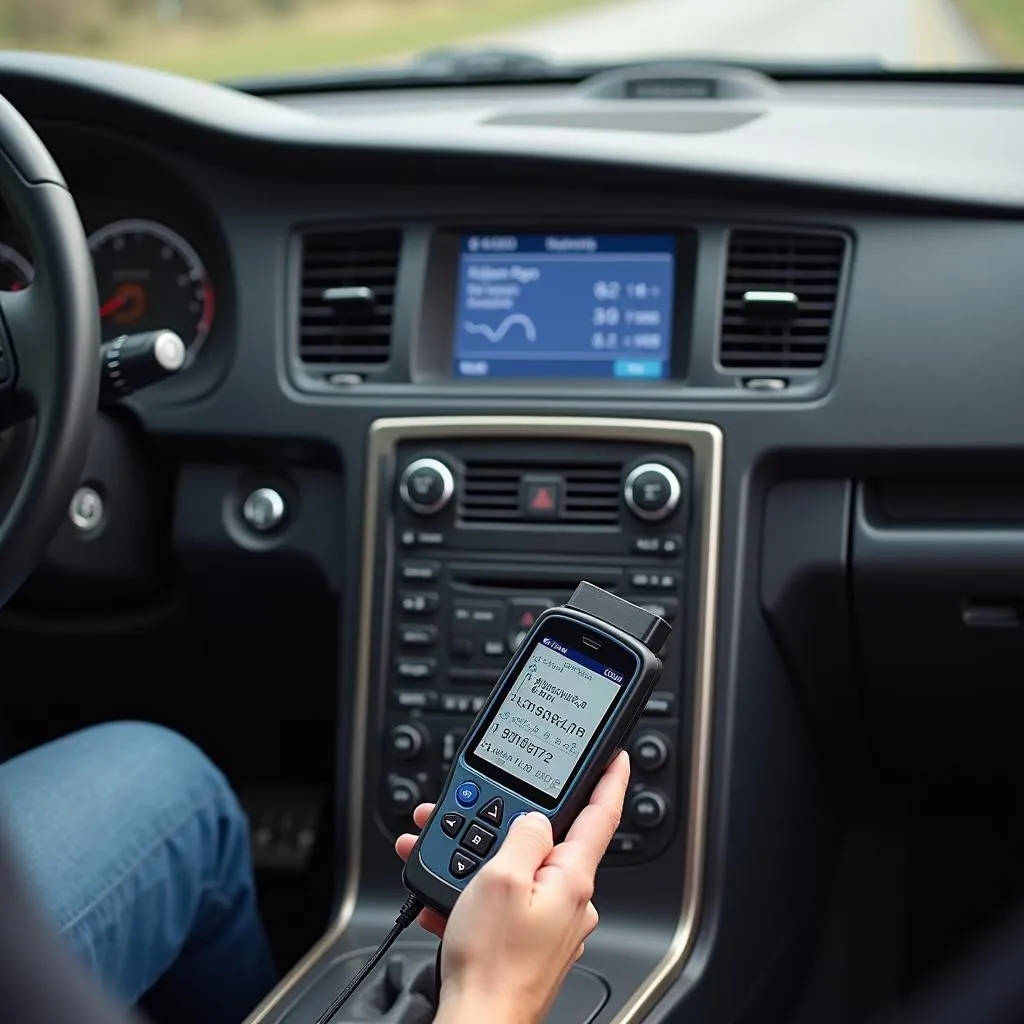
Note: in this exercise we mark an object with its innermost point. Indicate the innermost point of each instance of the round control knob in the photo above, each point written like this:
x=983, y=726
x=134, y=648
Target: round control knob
x=264, y=509
x=86, y=510
x=650, y=751
x=406, y=742
x=648, y=808
x=427, y=485
x=403, y=795
x=652, y=491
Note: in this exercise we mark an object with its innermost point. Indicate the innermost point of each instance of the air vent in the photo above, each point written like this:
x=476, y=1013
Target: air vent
x=780, y=300
x=495, y=492
x=348, y=294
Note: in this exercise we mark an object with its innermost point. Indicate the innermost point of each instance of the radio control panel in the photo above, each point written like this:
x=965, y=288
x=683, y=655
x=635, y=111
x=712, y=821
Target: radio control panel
x=485, y=536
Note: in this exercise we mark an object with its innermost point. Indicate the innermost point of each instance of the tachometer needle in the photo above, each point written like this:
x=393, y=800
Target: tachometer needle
x=113, y=305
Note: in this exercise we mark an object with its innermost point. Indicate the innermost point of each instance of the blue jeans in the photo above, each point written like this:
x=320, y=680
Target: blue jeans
x=140, y=851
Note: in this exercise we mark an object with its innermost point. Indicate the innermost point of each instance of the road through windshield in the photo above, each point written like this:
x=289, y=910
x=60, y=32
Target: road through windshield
x=897, y=32
x=220, y=39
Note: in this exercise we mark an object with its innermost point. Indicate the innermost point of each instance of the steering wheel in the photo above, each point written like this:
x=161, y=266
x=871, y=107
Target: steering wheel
x=49, y=353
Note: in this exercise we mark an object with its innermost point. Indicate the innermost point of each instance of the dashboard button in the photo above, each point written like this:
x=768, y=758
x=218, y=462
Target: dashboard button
x=626, y=842
x=416, y=668
x=660, y=704
x=426, y=486
x=450, y=744
x=494, y=648
x=541, y=497
x=417, y=636
x=479, y=616
x=652, y=491
x=462, y=647
x=420, y=572
x=403, y=795
x=650, y=751
x=422, y=539
x=418, y=604
x=424, y=699
x=647, y=545
x=667, y=546
x=406, y=742
x=648, y=809
x=264, y=510
x=523, y=613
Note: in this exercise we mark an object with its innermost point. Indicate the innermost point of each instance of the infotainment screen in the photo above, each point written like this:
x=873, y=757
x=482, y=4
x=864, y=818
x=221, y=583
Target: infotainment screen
x=565, y=306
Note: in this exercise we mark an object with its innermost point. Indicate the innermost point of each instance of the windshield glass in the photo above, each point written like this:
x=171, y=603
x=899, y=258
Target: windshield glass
x=219, y=39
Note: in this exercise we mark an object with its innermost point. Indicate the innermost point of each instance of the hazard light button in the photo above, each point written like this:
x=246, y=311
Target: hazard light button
x=523, y=612
x=541, y=497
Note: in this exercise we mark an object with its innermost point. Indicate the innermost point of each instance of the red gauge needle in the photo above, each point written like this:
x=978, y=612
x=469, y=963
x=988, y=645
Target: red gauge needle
x=113, y=305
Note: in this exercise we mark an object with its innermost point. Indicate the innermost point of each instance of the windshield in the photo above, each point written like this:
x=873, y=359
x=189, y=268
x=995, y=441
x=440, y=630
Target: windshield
x=223, y=39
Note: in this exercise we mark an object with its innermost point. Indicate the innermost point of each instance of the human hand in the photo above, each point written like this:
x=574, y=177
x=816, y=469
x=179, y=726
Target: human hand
x=522, y=921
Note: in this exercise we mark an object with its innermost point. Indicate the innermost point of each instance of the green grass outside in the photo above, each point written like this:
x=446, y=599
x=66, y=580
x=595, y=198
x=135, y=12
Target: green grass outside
x=1001, y=25
x=320, y=35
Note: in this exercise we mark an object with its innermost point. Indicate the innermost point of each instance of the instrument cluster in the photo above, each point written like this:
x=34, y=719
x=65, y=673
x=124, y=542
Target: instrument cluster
x=148, y=277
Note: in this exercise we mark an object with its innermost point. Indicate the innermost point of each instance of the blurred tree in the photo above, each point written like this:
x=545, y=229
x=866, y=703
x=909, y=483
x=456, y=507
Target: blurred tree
x=36, y=21
x=216, y=10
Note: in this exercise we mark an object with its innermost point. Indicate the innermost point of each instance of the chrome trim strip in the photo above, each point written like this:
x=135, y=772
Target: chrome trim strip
x=706, y=441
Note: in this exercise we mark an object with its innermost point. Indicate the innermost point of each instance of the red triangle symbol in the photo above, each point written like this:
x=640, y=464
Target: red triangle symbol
x=542, y=499
x=526, y=620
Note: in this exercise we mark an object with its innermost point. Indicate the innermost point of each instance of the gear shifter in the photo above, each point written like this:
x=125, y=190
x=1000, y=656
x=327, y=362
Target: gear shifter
x=135, y=361
x=404, y=993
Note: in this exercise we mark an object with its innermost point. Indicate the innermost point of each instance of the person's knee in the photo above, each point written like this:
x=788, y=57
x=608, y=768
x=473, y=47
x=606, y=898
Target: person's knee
x=159, y=768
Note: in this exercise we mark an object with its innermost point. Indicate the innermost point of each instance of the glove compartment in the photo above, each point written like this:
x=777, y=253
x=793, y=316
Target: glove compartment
x=938, y=614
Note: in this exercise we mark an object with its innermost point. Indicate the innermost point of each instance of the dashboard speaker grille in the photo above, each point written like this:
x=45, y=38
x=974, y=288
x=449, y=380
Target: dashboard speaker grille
x=495, y=492
x=780, y=299
x=347, y=297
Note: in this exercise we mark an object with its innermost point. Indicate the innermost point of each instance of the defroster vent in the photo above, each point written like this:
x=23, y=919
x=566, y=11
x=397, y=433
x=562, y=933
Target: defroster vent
x=781, y=291
x=347, y=299
x=496, y=492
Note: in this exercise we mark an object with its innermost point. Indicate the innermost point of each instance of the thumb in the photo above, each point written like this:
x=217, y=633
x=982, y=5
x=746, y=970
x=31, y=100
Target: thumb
x=528, y=843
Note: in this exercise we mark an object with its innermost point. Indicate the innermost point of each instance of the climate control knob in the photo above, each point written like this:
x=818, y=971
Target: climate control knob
x=406, y=741
x=653, y=491
x=426, y=486
x=648, y=808
x=650, y=751
x=403, y=795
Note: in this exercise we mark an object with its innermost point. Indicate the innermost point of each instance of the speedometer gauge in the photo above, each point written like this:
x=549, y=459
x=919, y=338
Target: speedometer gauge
x=149, y=279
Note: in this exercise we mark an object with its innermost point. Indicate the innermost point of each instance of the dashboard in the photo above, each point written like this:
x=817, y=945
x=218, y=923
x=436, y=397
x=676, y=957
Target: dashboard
x=751, y=359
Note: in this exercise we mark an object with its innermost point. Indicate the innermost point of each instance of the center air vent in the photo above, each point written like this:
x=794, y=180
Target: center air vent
x=347, y=298
x=780, y=299
x=496, y=492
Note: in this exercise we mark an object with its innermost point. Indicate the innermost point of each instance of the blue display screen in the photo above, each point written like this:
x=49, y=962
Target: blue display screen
x=565, y=306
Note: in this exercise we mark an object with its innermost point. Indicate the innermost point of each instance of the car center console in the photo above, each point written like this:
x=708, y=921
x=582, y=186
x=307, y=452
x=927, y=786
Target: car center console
x=473, y=525
x=489, y=534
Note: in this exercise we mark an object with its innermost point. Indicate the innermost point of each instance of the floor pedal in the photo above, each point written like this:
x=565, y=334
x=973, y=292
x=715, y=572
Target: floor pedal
x=284, y=822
